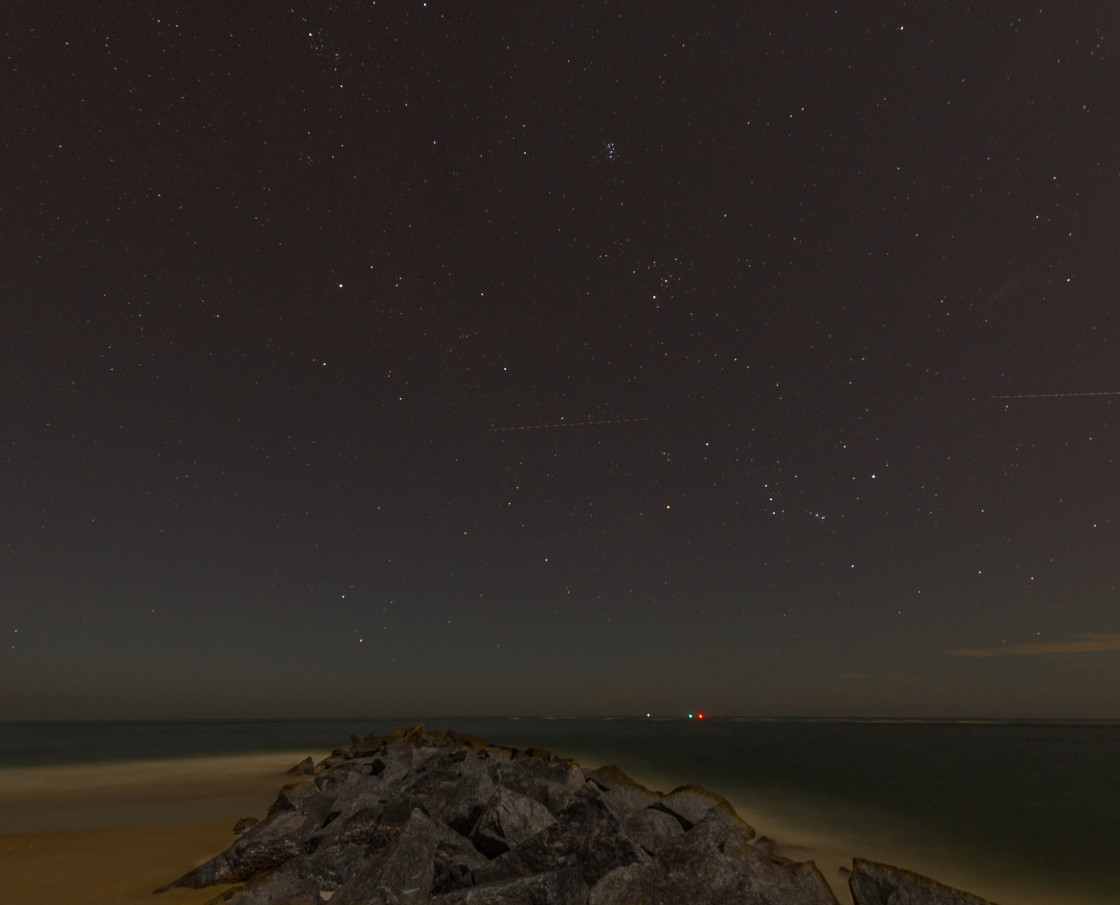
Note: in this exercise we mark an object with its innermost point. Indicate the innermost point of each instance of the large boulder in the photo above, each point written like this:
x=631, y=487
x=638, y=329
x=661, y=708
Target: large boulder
x=622, y=793
x=881, y=884
x=586, y=838
x=507, y=820
x=711, y=864
x=552, y=888
x=692, y=804
x=400, y=872
x=261, y=848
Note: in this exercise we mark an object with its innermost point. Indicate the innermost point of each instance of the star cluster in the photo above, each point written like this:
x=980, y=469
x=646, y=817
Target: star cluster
x=425, y=357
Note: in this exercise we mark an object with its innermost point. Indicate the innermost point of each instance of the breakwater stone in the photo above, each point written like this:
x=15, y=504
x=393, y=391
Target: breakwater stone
x=881, y=884
x=450, y=819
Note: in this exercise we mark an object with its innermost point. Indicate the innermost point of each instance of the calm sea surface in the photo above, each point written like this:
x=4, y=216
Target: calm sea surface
x=1029, y=811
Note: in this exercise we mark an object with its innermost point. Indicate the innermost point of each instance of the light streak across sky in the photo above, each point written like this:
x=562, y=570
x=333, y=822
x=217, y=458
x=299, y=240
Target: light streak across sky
x=1057, y=395
x=541, y=427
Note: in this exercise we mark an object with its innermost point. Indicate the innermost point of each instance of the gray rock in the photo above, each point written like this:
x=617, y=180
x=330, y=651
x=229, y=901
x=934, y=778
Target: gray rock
x=456, y=860
x=463, y=803
x=305, y=766
x=551, y=888
x=292, y=796
x=419, y=816
x=244, y=823
x=400, y=873
x=650, y=828
x=262, y=847
x=621, y=792
x=586, y=837
x=507, y=820
x=712, y=864
x=554, y=783
x=278, y=888
x=880, y=884
x=692, y=804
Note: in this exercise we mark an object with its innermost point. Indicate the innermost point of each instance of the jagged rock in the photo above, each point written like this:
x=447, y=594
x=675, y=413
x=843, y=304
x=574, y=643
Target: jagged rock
x=456, y=860
x=507, y=820
x=448, y=819
x=401, y=872
x=262, y=847
x=278, y=888
x=552, y=888
x=290, y=796
x=692, y=804
x=552, y=782
x=305, y=766
x=463, y=803
x=880, y=884
x=621, y=792
x=650, y=828
x=586, y=837
x=244, y=823
x=711, y=864
x=765, y=844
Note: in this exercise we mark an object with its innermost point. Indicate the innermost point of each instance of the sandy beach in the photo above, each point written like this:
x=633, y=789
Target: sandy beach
x=115, y=866
x=112, y=833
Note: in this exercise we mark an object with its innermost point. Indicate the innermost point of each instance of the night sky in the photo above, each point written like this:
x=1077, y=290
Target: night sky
x=560, y=358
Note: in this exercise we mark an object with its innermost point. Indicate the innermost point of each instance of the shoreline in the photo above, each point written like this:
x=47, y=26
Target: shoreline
x=113, y=832
x=833, y=850
x=173, y=792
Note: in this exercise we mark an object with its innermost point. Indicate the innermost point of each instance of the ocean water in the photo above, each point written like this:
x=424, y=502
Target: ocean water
x=1020, y=812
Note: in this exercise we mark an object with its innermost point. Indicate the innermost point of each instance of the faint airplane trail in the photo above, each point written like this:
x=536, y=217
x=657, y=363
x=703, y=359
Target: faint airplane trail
x=541, y=427
x=1057, y=395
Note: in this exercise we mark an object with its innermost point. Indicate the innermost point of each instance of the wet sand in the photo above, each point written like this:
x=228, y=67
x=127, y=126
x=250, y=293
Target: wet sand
x=113, y=833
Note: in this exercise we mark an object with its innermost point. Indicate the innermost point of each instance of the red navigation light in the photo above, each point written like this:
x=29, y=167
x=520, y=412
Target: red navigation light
x=699, y=716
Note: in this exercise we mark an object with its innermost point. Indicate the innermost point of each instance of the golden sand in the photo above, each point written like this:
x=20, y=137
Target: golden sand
x=118, y=866
x=110, y=834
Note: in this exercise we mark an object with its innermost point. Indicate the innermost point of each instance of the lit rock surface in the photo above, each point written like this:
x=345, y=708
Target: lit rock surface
x=451, y=819
x=881, y=884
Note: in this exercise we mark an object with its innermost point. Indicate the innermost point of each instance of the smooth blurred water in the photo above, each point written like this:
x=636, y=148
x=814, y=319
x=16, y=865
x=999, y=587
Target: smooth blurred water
x=46, y=743
x=1030, y=807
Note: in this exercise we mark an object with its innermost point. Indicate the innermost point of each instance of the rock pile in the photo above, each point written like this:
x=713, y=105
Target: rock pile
x=449, y=819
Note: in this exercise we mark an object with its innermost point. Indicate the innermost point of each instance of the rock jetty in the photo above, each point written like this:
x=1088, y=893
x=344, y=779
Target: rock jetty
x=450, y=819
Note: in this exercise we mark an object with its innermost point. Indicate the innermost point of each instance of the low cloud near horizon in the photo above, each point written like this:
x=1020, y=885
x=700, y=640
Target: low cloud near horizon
x=1086, y=643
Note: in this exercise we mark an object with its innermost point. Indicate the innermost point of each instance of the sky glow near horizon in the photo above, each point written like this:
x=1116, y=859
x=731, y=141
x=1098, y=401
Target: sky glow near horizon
x=580, y=361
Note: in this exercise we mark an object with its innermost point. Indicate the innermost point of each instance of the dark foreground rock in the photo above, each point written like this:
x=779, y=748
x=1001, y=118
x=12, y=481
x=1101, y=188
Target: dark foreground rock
x=881, y=884
x=450, y=819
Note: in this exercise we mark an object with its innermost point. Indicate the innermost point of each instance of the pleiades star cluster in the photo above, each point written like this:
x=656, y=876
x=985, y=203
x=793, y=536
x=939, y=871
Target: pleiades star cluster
x=591, y=358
